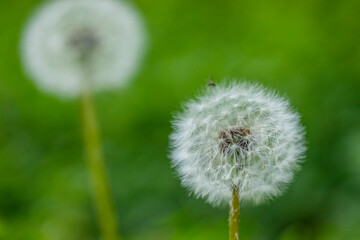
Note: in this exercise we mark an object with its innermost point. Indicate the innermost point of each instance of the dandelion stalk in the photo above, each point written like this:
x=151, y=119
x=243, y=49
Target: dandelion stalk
x=234, y=215
x=96, y=166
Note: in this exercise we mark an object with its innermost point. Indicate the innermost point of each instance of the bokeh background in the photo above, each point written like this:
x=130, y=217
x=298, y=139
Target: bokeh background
x=309, y=50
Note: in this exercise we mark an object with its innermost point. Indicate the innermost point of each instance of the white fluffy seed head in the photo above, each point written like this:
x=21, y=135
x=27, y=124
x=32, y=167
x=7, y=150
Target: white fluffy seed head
x=71, y=44
x=237, y=135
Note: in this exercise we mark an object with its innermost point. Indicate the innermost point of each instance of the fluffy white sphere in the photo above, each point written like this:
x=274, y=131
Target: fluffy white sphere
x=69, y=44
x=237, y=136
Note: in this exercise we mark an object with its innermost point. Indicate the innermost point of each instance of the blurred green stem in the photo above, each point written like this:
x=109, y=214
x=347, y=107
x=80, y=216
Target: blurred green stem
x=234, y=215
x=96, y=166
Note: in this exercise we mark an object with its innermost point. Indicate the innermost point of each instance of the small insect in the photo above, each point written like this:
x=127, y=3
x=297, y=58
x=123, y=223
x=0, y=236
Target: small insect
x=211, y=82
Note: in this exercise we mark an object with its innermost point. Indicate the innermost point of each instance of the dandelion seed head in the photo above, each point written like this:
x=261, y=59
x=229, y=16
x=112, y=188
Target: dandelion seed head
x=69, y=44
x=237, y=135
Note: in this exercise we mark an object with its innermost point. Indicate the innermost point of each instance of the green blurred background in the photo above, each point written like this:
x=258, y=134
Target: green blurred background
x=308, y=50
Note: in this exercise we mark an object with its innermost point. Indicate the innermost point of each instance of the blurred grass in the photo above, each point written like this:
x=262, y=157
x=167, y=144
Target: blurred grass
x=308, y=50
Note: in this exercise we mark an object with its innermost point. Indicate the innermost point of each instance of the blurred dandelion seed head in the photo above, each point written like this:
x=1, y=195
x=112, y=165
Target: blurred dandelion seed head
x=237, y=135
x=69, y=44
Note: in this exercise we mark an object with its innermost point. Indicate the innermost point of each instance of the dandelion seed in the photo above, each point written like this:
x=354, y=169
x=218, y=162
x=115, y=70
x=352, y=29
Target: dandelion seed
x=243, y=126
x=72, y=44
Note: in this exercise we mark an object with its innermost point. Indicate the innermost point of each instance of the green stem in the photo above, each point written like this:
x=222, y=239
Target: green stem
x=96, y=166
x=234, y=215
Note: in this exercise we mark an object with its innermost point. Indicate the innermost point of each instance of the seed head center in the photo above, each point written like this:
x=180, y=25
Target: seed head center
x=234, y=138
x=84, y=42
